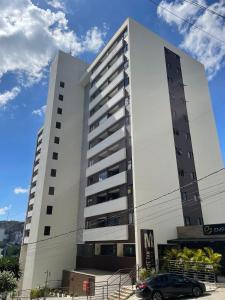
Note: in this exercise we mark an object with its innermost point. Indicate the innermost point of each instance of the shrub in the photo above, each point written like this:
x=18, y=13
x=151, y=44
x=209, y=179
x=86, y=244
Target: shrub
x=144, y=273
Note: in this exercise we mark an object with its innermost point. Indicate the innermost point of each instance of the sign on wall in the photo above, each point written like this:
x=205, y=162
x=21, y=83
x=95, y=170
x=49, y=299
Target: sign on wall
x=147, y=249
x=214, y=229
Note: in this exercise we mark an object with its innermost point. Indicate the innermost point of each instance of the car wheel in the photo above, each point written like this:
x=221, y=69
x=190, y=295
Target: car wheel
x=197, y=292
x=157, y=296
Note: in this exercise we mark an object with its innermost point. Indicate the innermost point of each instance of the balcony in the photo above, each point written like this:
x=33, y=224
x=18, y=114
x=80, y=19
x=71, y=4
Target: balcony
x=106, y=162
x=113, y=138
x=26, y=240
x=107, y=123
x=106, y=207
x=110, y=233
x=110, y=103
x=109, y=87
x=30, y=213
x=107, y=60
x=107, y=74
x=28, y=226
x=106, y=184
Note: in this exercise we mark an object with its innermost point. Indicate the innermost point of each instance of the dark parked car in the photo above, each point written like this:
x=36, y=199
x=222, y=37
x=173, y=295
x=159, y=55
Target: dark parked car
x=169, y=286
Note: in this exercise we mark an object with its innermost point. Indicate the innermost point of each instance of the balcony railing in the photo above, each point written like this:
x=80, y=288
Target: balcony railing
x=106, y=207
x=106, y=184
x=110, y=233
x=108, y=123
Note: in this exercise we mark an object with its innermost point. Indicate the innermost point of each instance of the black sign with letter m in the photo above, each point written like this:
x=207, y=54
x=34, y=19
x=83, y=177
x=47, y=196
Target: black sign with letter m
x=147, y=249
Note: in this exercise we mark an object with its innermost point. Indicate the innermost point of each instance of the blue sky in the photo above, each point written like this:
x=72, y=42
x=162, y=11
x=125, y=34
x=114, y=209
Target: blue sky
x=26, y=50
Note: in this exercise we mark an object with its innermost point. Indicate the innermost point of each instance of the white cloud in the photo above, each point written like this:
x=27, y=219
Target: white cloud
x=208, y=50
x=30, y=37
x=94, y=39
x=9, y=95
x=40, y=111
x=3, y=210
x=20, y=190
x=58, y=4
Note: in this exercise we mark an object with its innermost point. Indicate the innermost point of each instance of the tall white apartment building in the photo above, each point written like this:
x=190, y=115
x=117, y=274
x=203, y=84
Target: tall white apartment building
x=124, y=147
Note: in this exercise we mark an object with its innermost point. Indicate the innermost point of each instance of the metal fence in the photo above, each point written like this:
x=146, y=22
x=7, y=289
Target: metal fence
x=196, y=270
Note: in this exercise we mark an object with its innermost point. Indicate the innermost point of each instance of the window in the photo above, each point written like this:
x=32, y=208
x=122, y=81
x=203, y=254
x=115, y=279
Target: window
x=193, y=175
x=181, y=172
x=30, y=207
x=113, y=221
x=35, y=173
x=176, y=131
x=55, y=155
x=59, y=110
x=28, y=220
x=27, y=232
x=51, y=190
x=187, y=136
x=185, y=118
x=178, y=151
x=49, y=210
x=196, y=197
x=187, y=221
x=58, y=125
x=108, y=250
x=62, y=84
x=47, y=230
x=34, y=183
x=53, y=172
x=128, y=250
x=56, y=140
x=131, y=218
x=129, y=165
x=32, y=195
x=190, y=154
x=102, y=175
x=60, y=97
x=184, y=196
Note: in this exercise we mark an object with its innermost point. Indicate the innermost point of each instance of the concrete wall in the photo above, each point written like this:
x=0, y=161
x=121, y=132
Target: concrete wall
x=59, y=253
x=154, y=158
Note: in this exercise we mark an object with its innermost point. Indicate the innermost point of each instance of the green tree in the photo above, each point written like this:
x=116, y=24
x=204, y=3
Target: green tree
x=183, y=257
x=8, y=283
x=10, y=264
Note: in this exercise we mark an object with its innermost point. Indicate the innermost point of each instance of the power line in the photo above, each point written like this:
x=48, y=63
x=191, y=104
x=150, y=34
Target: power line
x=136, y=207
x=205, y=8
x=187, y=21
x=143, y=219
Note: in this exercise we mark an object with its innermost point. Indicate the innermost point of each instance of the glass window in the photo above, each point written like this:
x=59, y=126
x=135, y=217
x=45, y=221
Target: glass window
x=58, y=125
x=53, y=172
x=60, y=97
x=49, y=210
x=56, y=140
x=108, y=250
x=62, y=84
x=47, y=230
x=102, y=175
x=51, y=190
x=55, y=155
x=128, y=250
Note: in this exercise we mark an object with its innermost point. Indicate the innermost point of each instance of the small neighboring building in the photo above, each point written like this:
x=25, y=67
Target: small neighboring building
x=121, y=158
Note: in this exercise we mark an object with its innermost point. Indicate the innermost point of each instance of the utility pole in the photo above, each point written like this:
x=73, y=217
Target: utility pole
x=46, y=283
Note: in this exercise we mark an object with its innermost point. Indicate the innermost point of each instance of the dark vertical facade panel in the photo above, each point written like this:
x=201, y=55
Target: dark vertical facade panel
x=182, y=139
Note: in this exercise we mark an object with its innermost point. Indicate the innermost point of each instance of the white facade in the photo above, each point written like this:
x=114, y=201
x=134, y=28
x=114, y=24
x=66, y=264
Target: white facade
x=118, y=169
x=59, y=253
